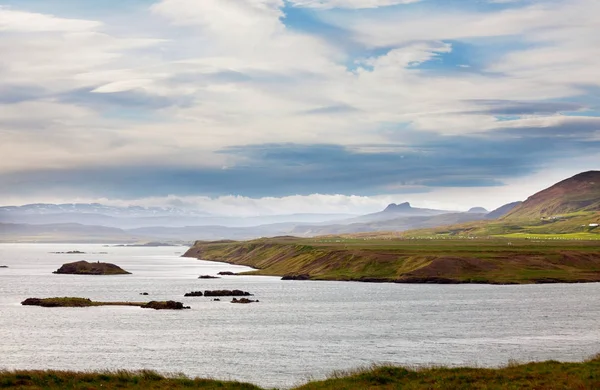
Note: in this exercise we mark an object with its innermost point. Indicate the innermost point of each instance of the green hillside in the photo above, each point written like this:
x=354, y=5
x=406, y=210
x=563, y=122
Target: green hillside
x=411, y=261
x=580, y=193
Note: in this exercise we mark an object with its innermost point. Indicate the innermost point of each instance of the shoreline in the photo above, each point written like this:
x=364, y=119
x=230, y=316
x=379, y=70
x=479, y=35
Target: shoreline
x=408, y=262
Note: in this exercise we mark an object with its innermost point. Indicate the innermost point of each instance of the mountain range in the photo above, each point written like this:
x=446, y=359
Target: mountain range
x=570, y=204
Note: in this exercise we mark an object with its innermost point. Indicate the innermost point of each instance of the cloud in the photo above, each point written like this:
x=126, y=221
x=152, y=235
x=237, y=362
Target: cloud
x=355, y=4
x=227, y=98
x=19, y=21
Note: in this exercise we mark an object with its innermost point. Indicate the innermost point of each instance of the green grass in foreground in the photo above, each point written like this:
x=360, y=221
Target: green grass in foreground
x=544, y=375
x=55, y=380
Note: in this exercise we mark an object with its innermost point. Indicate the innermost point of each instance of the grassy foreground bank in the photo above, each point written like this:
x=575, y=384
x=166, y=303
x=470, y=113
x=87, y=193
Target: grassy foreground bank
x=501, y=261
x=544, y=375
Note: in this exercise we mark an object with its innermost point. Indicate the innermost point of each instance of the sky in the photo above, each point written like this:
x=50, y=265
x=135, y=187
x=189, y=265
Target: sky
x=257, y=107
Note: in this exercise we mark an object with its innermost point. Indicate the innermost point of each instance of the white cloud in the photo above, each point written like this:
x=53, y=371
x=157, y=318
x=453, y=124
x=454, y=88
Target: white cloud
x=19, y=21
x=356, y=4
x=248, y=79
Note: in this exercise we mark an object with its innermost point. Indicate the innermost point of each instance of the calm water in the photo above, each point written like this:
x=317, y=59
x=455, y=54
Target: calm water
x=298, y=331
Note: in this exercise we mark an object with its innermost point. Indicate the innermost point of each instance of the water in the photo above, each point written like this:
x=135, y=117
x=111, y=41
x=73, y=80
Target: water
x=298, y=331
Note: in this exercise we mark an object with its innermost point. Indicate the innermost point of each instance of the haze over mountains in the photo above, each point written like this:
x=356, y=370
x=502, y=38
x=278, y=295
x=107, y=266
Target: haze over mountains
x=101, y=223
x=579, y=195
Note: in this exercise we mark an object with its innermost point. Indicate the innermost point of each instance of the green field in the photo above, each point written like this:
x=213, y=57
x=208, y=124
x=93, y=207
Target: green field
x=440, y=260
x=543, y=375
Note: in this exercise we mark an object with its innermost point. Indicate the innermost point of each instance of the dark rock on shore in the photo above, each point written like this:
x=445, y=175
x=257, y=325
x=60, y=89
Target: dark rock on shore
x=144, y=293
x=85, y=302
x=208, y=277
x=226, y=293
x=3, y=266
x=193, y=294
x=226, y=273
x=243, y=300
x=85, y=268
x=168, y=305
x=296, y=277
x=58, y=302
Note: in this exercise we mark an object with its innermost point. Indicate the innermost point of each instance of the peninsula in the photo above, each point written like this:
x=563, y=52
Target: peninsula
x=85, y=302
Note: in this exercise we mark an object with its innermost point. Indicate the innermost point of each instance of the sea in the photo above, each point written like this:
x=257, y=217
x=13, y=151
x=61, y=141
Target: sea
x=299, y=331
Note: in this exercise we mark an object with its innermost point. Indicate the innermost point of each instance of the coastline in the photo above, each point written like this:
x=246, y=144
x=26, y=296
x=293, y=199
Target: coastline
x=410, y=262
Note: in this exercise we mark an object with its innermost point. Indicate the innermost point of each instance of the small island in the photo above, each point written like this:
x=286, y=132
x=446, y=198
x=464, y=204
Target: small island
x=3, y=266
x=85, y=302
x=208, y=277
x=226, y=293
x=243, y=300
x=86, y=268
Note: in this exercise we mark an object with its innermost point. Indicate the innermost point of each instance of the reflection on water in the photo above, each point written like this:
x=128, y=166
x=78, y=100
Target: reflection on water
x=299, y=330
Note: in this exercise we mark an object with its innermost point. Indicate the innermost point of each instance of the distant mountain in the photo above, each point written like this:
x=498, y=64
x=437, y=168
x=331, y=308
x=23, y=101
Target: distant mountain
x=96, y=208
x=71, y=233
x=394, y=211
x=133, y=217
x=395, y=224
x=478, y=210
x=579, y=193
x=502, y=210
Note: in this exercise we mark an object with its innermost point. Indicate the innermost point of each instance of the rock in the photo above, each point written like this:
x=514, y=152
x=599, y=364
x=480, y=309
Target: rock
x=3, y=266
x=296, y=277
x=85, y=268
x=243, y=300
x=58, y=302
x=193, y=294
x=226, y=273
x=208, y=277
x=217, y=300
x=168, y=305
x=144, y=293
x=226, y=293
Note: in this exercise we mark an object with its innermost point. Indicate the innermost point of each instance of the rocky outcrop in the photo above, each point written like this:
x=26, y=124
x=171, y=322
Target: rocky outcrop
x=85, y=302
x=58, y=302
x=3, y=266
x=168, y=305
x=226, y=273
x=296, y=277
x=85, y=268
x=226, y=293
x=243, y=300
x=208, y=277
x=194, y=294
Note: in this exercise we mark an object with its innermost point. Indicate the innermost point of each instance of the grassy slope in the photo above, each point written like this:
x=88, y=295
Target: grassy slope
x=544, y=375
x=58, y=380
x=579, y=193
x=574, y=225
x=480, y=261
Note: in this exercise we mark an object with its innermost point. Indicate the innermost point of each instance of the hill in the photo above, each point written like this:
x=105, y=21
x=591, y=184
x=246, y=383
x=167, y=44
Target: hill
x=502, y=210
x=569, y=209
x=580, y=193
x=411, y=261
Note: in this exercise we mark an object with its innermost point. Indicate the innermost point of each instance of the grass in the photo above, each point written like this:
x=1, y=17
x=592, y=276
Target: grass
x=444, y=259
x=542, y=375
x=545, y=375
x=55, y=380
